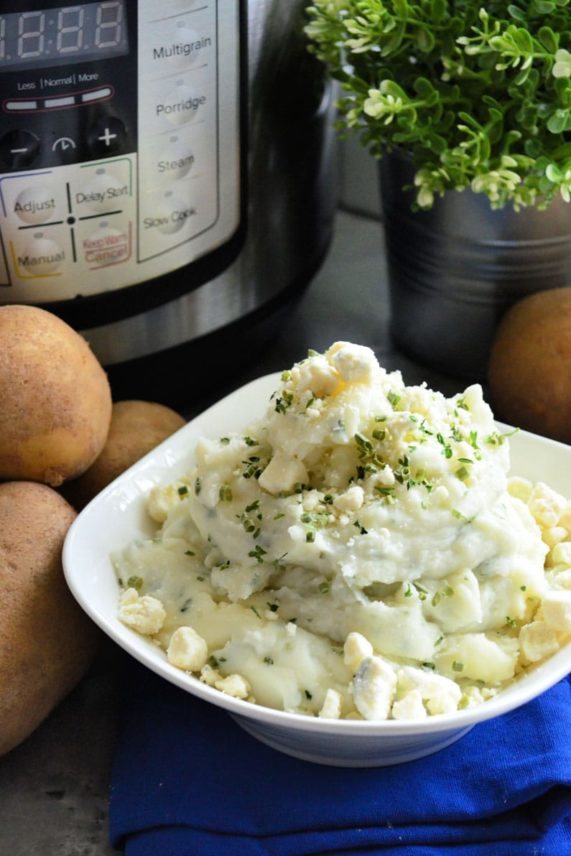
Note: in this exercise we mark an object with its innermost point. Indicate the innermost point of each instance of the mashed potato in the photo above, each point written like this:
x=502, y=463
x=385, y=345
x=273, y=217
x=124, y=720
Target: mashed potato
x=359, y=552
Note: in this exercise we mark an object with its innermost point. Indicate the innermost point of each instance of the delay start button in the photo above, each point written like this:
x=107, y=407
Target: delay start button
x=102, y=193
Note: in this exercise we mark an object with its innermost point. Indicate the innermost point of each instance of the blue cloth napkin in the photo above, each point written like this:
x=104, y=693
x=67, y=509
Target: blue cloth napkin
x=187, y=781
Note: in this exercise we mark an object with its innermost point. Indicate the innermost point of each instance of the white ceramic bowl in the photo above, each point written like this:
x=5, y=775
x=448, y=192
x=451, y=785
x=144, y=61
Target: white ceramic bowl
x=117, y=516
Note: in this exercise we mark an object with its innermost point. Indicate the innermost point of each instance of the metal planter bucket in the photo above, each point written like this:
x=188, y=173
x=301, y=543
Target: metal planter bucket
x=454, y=270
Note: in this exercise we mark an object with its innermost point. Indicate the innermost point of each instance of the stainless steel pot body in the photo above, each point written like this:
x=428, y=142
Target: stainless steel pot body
x=288, y=187
x=455, y=269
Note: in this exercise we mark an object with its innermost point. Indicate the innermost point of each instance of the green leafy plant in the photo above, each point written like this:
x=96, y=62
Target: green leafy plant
x=477, y=97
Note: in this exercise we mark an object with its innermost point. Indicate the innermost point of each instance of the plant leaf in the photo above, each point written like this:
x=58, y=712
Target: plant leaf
x=548, y=38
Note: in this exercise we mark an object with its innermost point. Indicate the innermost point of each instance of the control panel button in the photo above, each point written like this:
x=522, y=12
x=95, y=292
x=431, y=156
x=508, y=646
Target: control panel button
x=41, y=255
x=170, y=215
x=20, y=106
x=96, y=95
x=106, y=136
x=35, y=204
x=181, y=104
x=102, y=193
x=55, y=103
x=108, y=245
x=175, y=160
x=185, y=47
x=19, y=149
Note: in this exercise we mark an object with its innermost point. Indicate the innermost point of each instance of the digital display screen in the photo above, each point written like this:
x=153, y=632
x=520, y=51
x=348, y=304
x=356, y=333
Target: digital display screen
x=63, y=35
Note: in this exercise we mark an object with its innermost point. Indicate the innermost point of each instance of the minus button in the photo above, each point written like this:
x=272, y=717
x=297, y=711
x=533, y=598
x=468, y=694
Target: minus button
x=66, y=101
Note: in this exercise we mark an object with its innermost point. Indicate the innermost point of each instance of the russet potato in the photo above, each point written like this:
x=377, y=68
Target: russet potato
x=46, y=640
x=136, y=428
x=529, y=369
x=55, y=399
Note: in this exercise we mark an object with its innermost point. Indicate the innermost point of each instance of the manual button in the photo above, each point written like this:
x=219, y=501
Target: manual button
x=41, y=256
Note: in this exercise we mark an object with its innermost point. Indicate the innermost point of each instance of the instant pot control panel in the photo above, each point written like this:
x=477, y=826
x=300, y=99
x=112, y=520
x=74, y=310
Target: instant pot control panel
x=119, y=142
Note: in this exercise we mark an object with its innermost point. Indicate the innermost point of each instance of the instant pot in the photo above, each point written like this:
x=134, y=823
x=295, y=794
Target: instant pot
x=166, y=174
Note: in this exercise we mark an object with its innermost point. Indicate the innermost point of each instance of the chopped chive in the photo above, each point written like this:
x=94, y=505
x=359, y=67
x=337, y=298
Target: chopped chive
x=393, y=398
x=225, y=493
x=257, y=553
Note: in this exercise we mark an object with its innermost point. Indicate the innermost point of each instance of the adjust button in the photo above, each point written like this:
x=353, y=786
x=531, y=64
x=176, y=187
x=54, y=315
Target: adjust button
x=35, y=204
x=18, y=149
x=107, y=135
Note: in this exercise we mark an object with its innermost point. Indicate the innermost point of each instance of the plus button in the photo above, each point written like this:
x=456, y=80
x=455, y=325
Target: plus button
x=107, y=136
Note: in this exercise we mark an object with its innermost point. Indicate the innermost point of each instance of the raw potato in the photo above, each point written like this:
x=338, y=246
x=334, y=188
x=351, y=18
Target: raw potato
x=136, y=428
x=530, y=364
x=55, y=398
x=46, y=640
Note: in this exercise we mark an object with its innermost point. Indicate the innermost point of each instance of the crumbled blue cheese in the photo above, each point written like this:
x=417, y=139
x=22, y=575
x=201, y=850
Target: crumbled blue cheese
x=144, y=614
x=187, y=650
x=359, y=551
x=373, y=688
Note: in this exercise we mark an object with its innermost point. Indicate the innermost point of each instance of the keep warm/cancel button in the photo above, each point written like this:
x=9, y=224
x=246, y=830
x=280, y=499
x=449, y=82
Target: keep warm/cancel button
x=107, y=245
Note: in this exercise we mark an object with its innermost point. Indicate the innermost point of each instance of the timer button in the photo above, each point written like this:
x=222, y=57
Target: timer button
x=19, y=149
x=35, y=204
x=107, y=135
x=42, y=255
